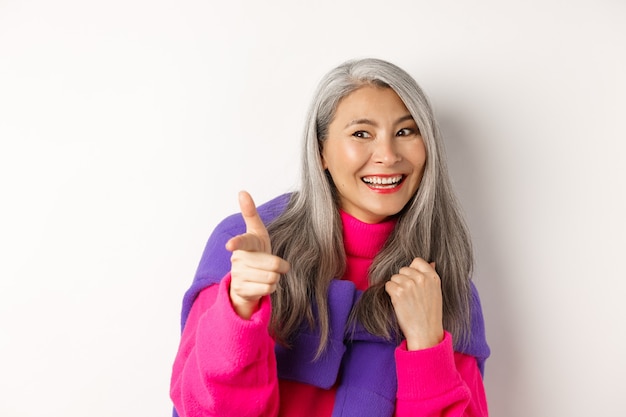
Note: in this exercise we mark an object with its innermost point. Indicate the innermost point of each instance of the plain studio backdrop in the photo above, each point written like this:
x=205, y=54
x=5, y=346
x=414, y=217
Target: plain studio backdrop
x=127, y=128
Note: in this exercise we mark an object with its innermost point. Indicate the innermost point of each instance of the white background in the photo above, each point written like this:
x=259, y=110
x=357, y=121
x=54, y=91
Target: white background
x=128, y=126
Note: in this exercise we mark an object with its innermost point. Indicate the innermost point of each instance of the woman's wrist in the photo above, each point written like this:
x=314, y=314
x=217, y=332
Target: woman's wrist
x=243, y=307
x=424, y=342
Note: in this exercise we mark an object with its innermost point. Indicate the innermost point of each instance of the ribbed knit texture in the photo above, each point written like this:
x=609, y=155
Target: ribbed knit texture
x=362, y=241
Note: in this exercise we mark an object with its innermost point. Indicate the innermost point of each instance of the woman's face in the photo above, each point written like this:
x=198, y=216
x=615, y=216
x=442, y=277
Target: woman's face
x=374, y=153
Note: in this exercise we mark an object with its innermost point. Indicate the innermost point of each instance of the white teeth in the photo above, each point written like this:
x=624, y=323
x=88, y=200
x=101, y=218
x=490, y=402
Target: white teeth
x=383, y=180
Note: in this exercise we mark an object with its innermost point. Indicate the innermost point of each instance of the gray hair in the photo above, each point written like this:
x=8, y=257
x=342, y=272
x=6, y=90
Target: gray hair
x=309, y=233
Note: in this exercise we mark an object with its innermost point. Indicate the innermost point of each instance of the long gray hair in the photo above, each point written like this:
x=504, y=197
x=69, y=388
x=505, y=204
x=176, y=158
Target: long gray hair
x=309, y=233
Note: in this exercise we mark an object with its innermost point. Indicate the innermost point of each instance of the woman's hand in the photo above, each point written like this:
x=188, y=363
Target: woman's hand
x=415, y=293
x=255, y=271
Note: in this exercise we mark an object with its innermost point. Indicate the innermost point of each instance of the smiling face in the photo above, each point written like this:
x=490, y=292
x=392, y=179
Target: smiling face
x=374, y=153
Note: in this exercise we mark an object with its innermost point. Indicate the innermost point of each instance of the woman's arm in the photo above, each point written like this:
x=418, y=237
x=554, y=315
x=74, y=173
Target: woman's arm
x=225, y=365
x=433, y=380
x=439, y=382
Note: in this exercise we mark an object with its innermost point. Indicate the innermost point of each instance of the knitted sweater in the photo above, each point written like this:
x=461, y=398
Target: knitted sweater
x=223, y=358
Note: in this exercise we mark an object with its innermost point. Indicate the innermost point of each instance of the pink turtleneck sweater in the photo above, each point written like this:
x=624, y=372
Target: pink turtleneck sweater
x=362, y=242
x=435, y=381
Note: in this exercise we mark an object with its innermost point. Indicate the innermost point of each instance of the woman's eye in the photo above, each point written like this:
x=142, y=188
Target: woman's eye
x=405, y=132
x=361, y=134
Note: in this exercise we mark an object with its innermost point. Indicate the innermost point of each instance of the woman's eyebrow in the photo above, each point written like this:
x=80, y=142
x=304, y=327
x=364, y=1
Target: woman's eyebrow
x=361, y=122
x=405, y=118
x=373, y=123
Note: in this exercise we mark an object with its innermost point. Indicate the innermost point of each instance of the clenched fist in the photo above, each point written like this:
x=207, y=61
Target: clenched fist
x=415, y=293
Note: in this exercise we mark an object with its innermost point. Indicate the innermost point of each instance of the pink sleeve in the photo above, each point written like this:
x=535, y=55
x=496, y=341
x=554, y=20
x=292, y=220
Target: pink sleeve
x=439, y=382
x=225, y=365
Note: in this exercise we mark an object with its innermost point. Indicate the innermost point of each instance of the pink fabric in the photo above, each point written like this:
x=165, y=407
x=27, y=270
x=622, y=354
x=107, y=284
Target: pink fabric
x=362, y=241
x=438, y=382
x=297, y=396
x=226, y=366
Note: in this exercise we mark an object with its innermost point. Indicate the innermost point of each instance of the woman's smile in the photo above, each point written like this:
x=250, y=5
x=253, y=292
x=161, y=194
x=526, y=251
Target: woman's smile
x=384, y=183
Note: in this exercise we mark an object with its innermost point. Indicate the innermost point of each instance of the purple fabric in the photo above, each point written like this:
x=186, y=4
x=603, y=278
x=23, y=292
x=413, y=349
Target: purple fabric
x=366, y=362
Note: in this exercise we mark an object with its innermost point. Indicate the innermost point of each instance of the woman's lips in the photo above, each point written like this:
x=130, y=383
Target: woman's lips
x=384, y=183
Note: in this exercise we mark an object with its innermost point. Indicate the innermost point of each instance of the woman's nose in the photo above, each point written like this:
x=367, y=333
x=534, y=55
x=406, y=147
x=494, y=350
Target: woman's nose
x=385, y=151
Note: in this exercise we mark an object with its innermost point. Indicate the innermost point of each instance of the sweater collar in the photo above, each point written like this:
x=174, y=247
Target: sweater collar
x=364, y=240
